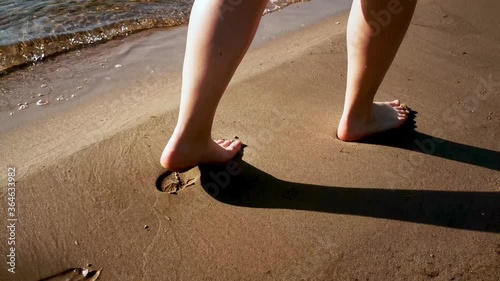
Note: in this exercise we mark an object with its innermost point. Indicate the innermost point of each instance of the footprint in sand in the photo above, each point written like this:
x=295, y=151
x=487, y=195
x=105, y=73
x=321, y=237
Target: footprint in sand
x=173, y=182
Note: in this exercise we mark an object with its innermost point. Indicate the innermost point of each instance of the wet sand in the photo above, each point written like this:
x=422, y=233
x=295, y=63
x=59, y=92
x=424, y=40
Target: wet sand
x=421, y=204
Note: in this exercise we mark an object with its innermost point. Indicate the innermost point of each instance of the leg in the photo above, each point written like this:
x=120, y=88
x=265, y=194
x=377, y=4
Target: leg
x=220, y=32
x=375, y=31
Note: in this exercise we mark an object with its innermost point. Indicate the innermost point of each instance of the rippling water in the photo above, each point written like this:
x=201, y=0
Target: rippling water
x=31, y=30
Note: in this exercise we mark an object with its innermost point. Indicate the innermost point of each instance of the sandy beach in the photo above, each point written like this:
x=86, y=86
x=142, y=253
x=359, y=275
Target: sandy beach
x=420, y=203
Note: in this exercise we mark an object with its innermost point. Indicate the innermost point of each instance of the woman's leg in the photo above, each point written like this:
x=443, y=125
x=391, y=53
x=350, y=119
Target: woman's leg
x=220, y=32
x=375, y=31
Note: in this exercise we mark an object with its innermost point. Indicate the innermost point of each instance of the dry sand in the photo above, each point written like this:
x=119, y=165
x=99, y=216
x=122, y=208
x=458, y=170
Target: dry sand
x=302, y=205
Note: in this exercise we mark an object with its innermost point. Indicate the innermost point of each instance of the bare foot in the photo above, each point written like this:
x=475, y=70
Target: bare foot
x=384, y=116
x=181, y=155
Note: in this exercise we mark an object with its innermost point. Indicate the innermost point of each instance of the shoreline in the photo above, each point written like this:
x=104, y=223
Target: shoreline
x=26, y=48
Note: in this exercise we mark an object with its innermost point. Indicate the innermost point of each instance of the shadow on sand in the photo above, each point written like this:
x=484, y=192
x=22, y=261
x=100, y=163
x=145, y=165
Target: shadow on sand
x=250, y=187
x=408, y=138
x=254, y=188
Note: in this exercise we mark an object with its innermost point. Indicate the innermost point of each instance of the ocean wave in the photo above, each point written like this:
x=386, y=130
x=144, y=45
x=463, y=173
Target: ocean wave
x=33, y=30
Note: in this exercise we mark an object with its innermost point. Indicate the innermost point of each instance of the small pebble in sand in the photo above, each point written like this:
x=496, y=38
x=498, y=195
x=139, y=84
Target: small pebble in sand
x=146, y=226
x=42, y=102
x=60, y=98
x=337, y=22
x=12, y=113
x=76, y=242
x=118, y=66
x=101, y=64
x=40, y=95
x=43, y=86
x=73, y=95
x=23, y=107
x=79, y=87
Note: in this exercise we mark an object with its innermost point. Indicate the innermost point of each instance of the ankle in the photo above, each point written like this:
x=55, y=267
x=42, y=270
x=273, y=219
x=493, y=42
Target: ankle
x=186, y=134
x=351, y=122
x=178, y=149
x=358, y=111
x=358, y=116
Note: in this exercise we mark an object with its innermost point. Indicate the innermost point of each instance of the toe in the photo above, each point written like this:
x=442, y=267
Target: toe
x=225, y=143
x=235, y=145
x=401, y=109
x=219, y=141
x=395, y=103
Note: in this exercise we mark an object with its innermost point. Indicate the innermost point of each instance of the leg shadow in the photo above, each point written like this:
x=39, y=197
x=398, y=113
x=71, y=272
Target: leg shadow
x=248, y=186
x=252, y=187
x=408, y=138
